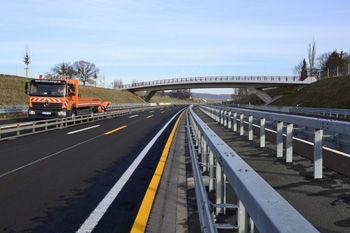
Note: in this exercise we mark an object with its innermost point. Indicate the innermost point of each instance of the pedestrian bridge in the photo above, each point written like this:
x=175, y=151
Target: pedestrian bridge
x=254, y=83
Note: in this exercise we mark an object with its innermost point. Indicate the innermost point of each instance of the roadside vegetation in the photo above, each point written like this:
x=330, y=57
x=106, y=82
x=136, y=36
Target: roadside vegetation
x=326, y=93
x=12, y=93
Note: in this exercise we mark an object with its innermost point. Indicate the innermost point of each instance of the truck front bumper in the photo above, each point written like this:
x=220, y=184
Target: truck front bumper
x=33, y=113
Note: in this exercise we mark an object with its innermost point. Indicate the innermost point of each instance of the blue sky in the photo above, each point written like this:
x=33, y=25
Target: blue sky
x=150, y=39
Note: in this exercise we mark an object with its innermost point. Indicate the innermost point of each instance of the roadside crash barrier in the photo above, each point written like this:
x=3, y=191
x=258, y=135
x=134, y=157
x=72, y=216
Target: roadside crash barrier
x=258, y=204
x=319, y=129
x=10, y=131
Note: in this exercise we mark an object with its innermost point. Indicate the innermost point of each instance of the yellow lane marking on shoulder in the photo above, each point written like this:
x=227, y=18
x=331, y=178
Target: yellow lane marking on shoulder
x=116, y=130
x=146, y=206
x=149, y=116
x=162, y=111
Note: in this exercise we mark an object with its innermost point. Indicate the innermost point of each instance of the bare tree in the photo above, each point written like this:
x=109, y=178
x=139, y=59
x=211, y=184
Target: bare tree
x=297, y=68
x=312, y=55
x=27, y=61
x=117, y=84
x=64, y=68
x=86, y=71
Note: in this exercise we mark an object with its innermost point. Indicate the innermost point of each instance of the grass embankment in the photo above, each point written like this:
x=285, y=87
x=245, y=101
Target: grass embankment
x=12, y=93
x=326, y=93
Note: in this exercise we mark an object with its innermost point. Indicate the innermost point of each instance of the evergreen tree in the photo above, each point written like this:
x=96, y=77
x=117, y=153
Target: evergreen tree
x=303, y=74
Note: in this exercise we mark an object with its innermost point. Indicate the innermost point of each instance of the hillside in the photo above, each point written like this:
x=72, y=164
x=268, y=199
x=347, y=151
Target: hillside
x=326, y=93
x=211, y=96
x=12, y=93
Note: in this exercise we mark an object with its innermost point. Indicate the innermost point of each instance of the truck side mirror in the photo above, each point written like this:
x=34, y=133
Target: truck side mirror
x=26, y=89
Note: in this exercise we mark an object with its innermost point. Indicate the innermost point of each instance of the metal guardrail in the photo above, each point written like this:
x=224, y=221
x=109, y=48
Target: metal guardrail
x=321, y=111
x=224, y=115
x=258, y=203
x=10, y=131
x=15, y=109
x=331, y=112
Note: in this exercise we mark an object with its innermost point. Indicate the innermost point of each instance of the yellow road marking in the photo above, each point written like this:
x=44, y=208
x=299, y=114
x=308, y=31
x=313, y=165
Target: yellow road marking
x=146, y=206
x=116, y=130
x=149, y=116
x=162, y=111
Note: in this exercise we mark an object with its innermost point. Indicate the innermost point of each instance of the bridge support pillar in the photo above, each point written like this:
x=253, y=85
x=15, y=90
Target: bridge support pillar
x=149, y=95
x=261, y=94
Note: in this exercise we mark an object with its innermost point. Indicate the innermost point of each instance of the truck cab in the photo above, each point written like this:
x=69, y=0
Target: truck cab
x=58, y=98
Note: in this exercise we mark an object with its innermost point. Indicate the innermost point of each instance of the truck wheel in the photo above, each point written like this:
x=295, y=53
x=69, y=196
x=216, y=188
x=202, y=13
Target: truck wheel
x=74, y=113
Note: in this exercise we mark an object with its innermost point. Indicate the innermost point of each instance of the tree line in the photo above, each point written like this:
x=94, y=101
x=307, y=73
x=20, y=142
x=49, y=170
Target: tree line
x=326, y=65
x=85, y=71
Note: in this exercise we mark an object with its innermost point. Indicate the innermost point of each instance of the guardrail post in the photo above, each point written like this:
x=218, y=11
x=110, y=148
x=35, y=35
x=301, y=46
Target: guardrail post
x=18, y=129
x=221, y=117
x=262, y=132
x=242, y=218
x=250, y=128
x=279, y=139
x=241, y=124
x=34, y=124
x=234, y=128
x=318, y=156
x=225, y=118
x=229, y=123
x=211, y=171
x=219, y=188
x=289, y=143
x=205, y=155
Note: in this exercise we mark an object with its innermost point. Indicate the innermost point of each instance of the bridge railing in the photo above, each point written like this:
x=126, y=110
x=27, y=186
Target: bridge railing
x=210, y=79
x=258, y=203
x=228, y=116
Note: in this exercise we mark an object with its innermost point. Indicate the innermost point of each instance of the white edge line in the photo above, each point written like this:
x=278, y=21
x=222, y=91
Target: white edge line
x=83, y=129
x=133, y=116
x=91, y=222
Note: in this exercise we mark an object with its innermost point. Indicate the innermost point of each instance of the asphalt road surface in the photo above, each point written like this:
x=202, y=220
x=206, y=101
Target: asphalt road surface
x=53, y=181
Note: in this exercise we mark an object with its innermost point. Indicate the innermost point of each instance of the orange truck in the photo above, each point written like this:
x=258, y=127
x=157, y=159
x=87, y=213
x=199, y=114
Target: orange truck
x=59, y=98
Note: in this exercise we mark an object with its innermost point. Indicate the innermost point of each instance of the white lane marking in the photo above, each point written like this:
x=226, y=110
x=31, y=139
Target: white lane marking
x=133, y=116
x=83, y=129
x=151, y=111
x=91, y=222
x=49, y=156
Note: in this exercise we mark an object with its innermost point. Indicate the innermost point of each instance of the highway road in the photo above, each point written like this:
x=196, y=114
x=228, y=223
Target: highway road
x=53, y=181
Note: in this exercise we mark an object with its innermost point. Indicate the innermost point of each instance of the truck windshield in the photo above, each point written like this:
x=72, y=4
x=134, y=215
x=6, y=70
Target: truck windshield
x=48, y=89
